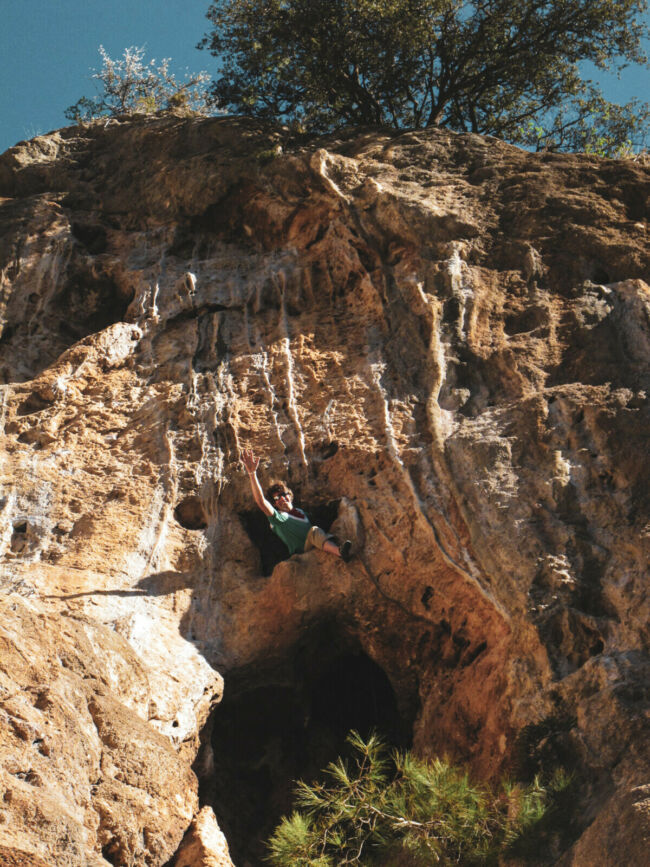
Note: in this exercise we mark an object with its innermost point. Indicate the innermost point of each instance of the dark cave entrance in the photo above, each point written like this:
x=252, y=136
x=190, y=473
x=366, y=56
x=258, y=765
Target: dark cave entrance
x=286, y=723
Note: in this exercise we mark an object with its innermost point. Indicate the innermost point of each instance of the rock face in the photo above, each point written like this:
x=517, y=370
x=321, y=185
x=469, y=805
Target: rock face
x=204, y=844
x=442, y=343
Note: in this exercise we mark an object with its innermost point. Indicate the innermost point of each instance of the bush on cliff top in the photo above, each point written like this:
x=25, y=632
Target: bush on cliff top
x=495, y=67
x=382, y=806
x=132, y=86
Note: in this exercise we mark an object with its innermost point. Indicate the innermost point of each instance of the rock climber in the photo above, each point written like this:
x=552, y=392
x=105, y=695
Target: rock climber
x=292, y=525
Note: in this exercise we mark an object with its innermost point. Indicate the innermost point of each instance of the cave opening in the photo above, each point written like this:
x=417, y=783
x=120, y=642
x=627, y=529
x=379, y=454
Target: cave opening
x=190, y=513
x=287, y=721
x=272, y=549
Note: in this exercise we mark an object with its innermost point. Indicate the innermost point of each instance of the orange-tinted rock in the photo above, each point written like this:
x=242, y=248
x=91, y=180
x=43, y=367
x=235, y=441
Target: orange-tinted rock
x=444, y=335
x=204, y=845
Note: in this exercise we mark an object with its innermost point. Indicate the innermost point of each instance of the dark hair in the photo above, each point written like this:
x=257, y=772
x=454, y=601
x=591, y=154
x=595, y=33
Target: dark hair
x=277, y=488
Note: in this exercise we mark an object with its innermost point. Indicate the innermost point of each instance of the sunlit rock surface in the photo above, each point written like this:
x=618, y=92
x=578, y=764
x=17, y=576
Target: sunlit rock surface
x=204, y=844
x=439, y=340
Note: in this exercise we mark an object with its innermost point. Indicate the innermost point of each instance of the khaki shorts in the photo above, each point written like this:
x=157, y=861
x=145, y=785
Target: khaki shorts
x=316, y=538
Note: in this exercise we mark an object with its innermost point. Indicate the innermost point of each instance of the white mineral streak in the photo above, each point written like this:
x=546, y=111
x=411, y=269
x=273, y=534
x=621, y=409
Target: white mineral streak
x=190, y=282
x=441, y=421
x=202, y=406
x=327, y=420
x=562, y=468
x=441, y=424
x=290, y=383
x=4, y=391
x=260, y=362
x=222, y=394
x=461, y=287
x=468, y=570
x=319, y=163
x=50, y=265
x=8, y=515
x=151, y=538
x=376, y=370
x=152, y=311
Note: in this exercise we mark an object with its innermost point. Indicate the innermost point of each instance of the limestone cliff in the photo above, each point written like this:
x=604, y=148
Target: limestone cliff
x=443, y=344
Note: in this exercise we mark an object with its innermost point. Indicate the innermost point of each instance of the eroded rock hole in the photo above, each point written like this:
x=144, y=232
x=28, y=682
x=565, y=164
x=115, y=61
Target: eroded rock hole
x=289, y=724
x=110, y=853
x=22, y=537
x=92, y=236
x=93, y=301
x=272, y=549
x=190, y=514
x=451, y=311
x=33, y=403
x=527, y=320
x=600, y=275
x=87, y=301
x=329, y=449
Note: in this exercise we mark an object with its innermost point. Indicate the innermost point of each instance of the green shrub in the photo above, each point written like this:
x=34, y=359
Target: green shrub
x=381, y=806
x=132, y=86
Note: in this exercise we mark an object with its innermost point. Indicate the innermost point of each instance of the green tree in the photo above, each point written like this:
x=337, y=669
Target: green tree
x=378, y=807
x=497, y=67
x=132, y=86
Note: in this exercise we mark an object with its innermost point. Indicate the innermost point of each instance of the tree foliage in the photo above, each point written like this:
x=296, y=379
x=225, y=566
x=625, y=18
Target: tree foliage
x=498, y=67
x=132, y=86
x=379, y=805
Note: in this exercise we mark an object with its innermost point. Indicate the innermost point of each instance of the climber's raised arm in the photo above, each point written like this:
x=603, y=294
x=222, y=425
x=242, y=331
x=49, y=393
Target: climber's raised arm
x=251, y=463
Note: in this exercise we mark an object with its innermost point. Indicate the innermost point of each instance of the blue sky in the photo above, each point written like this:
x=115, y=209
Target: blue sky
x=48, y=48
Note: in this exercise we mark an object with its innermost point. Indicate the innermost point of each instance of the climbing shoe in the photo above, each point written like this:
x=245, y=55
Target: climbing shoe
x=346, y=551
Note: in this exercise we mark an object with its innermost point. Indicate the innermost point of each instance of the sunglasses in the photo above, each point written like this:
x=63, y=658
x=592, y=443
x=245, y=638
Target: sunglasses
x=277, y=497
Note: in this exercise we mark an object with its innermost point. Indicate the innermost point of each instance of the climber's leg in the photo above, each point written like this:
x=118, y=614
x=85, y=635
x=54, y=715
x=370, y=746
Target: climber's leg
x=317, y=538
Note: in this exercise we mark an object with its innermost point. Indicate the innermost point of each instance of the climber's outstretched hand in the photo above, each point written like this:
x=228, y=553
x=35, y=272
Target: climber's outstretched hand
x=250, y=461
